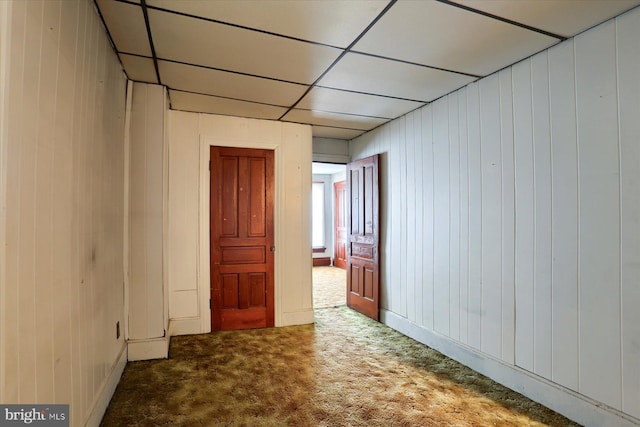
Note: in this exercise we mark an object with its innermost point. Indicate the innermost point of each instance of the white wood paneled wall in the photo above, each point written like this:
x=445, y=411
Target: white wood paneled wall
x=511, y=214
x=190, y=135
x=146, y=213
x=63, y=107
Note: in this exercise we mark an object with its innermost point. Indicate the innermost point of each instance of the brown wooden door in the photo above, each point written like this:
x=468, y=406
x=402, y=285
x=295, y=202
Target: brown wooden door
x=241, y=216
x=340, y=219
x=363, y=259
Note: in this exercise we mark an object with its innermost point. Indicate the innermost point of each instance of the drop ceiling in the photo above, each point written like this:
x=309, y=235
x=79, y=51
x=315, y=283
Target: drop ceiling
x=342, y=66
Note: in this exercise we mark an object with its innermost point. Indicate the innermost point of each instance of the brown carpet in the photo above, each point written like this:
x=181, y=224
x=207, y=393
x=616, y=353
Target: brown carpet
x=329, y=287
x=346, y=370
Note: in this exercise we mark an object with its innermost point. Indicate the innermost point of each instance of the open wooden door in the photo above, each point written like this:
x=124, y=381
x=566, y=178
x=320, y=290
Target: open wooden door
x=340, y=218
x=241, y=216
x=363, y=259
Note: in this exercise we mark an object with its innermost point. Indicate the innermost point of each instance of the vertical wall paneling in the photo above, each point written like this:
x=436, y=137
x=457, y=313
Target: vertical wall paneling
x=63, y=119
x=146, y=312
x=475, y=217
x=410, y=222
x=27, y=293
x=12, y=46
x=395, y=234
x=564, y=216
x=490, y=158
x=420, y=170
x=464, y=216
x=441, y=216
x=400, y=134
x=524, y=213
x=427, y=223
x=190, y=137
x=526, y=210
x=599, y=211
x=508, y=218
x=454, y=220
x=628, y=56
x=542, y=220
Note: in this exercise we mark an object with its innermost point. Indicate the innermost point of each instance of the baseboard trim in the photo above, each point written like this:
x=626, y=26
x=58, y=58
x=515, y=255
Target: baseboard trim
x=572, y=405
x=147, y=349
x=186, y=326
x=302, y=317
x=321, y=262
x=106, y=391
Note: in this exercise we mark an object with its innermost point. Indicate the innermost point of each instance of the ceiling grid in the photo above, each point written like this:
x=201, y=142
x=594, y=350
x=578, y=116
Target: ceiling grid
x=344, y=67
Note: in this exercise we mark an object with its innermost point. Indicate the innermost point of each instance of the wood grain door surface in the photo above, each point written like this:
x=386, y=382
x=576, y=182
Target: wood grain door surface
x=242, y=236
x=363, y=262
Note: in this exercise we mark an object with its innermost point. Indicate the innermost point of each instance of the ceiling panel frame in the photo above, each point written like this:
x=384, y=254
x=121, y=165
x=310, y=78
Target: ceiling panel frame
x=144, y=7
x=500, y=18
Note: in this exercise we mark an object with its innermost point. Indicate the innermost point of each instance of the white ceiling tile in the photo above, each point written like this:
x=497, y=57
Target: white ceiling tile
x=333, y=119
x=565, y=18
x=139, y=69
x=332, y=22
x=368, y=74
x=213, y=82
x=200, y=42
x=126, y=26
x=338, y=101
x=335, y=133
x=212, y=104
x=445, y=36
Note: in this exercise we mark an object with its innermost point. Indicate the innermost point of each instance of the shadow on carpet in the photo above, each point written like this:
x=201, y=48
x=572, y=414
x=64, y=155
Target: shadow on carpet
x=346, y=370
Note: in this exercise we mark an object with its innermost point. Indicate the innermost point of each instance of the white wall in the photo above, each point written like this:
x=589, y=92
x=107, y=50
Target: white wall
x=62, y=196
x=329, y=150
x=146, y=200
x=190, y=136
x=511, y=221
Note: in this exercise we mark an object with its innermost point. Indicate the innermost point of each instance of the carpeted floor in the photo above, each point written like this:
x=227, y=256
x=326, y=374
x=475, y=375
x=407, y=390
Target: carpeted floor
x=346, y=370
x=329, y=287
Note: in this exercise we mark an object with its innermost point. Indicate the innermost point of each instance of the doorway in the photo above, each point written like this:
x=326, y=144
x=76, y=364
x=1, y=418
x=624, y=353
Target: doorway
x=329, y=224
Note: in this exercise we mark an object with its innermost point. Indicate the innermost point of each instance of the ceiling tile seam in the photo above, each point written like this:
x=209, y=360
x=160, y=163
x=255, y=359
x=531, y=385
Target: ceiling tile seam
x=111, y=42
x=343, y=113
x=128, y=2
x=255, y=117
x=143, y=5
x=332, y=127
x=362, y=131
x=276, y=105
x=353, y=43
x=380, y=95
x=500, y=18
x=242, y=27
x=232, y=72
x=403, y=61
x=226, y=97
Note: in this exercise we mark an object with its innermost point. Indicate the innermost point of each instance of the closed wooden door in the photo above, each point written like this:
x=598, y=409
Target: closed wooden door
x=340, y=219
x=241, y=216
x=363, y=259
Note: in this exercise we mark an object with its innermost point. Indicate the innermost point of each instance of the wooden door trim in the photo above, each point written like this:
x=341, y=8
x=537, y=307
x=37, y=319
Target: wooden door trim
x=203, y=264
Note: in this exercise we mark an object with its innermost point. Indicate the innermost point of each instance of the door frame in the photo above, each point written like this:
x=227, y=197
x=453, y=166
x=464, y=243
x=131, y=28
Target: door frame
x=203, y=266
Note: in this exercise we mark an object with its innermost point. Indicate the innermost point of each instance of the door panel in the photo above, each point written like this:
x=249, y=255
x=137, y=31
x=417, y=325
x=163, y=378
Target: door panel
x=363, y=284
x=340, y=251
x=241, y=228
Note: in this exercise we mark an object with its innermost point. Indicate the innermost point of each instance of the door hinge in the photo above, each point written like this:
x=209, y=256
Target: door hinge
x=209, y=303
x=209, y=164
